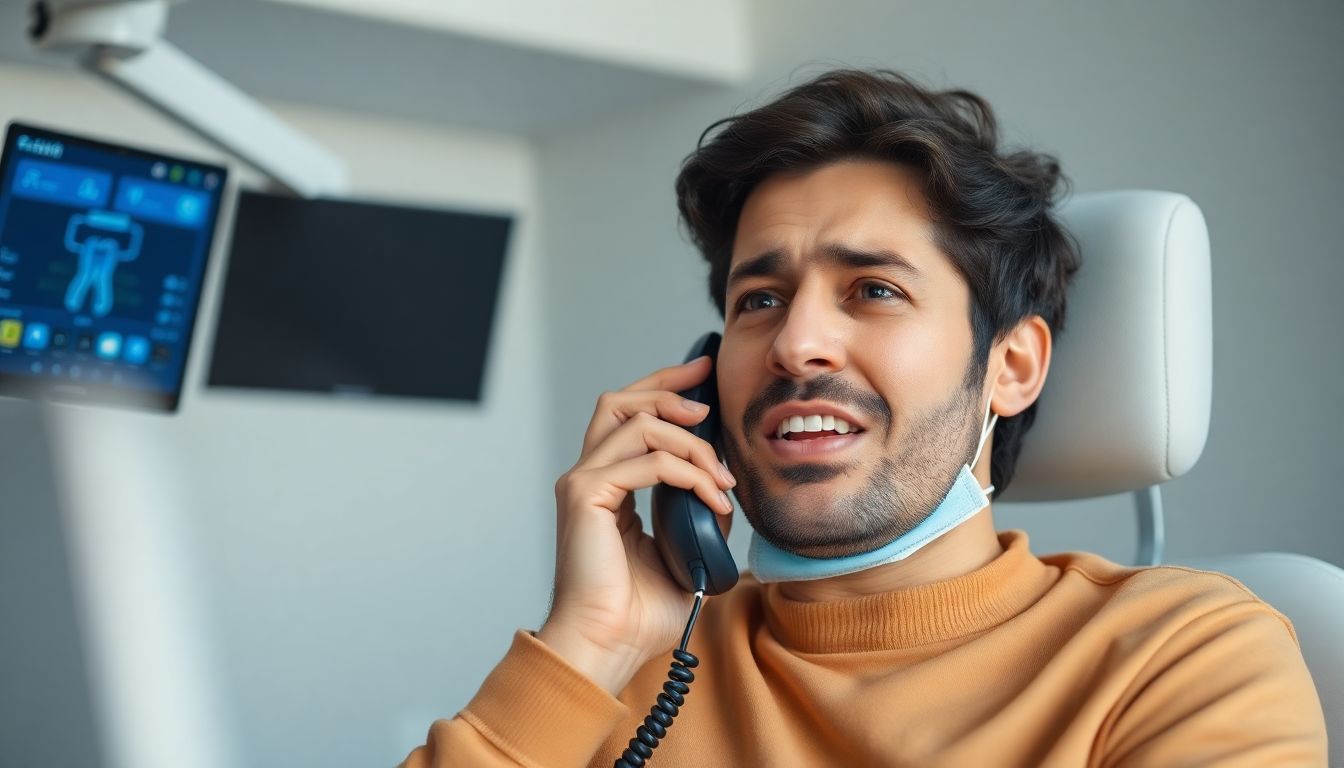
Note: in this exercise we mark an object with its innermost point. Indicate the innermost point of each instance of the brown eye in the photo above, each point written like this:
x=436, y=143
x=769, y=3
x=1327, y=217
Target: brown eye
x=879, y=291
x=757, y=300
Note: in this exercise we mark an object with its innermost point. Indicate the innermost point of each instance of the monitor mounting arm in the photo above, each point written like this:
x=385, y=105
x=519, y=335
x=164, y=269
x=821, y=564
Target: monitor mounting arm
x=122, y=41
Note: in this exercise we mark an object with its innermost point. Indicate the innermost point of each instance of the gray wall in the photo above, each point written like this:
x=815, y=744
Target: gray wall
x=45, y=706
x=1233, y=103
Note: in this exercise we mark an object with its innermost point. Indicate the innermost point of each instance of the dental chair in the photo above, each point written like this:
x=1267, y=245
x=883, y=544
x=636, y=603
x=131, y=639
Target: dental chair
x=1126, y=406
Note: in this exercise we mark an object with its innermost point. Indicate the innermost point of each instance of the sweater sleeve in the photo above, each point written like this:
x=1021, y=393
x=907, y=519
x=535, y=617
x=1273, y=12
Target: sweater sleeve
x=1229, y=688
x=532, y=710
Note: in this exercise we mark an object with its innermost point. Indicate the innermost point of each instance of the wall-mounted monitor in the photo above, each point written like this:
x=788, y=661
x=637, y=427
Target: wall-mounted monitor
x=103, y=249
x=358, y=298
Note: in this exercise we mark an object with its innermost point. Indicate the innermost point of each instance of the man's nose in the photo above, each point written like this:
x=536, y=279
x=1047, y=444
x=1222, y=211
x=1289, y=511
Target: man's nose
x=812, y=339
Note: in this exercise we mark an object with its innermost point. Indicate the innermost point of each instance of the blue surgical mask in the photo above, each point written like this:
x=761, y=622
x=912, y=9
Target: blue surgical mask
x=963, y=500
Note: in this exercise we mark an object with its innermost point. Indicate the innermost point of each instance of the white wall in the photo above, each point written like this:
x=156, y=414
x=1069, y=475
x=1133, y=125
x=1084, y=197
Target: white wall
x=1234, y=103
x=336, y=547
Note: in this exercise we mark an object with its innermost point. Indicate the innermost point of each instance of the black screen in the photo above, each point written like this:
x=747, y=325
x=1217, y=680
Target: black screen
x=358, y=298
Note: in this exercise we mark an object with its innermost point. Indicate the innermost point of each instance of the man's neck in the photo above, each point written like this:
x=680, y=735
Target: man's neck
x=969, y=546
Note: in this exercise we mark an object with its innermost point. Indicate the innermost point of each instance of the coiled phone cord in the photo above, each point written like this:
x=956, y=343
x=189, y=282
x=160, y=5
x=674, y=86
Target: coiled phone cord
x=670, y=700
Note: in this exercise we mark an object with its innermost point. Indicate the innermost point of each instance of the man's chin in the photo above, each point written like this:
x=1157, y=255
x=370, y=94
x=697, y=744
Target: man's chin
x=822, y=546
x=815, y=531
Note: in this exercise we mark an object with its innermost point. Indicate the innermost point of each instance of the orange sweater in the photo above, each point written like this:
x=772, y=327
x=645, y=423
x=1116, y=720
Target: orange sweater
x=1068, y=660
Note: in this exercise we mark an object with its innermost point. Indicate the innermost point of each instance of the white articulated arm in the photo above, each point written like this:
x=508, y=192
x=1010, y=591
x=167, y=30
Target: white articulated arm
x=121, y=40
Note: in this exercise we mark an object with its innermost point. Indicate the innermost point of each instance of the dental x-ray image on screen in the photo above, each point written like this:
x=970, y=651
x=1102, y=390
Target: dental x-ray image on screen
x=103, y=250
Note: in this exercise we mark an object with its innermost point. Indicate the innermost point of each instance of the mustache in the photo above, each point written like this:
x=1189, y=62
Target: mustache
x=824, y=387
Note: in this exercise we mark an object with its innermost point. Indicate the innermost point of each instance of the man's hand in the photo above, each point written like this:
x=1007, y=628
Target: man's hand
x=615, y=605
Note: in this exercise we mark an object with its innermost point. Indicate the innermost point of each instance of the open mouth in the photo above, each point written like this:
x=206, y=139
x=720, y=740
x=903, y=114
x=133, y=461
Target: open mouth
x=804, y=435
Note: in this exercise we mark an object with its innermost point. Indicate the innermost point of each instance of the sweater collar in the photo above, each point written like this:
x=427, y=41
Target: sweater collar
x=905, y=618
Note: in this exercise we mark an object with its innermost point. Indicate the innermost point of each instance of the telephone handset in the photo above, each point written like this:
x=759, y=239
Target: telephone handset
x=687, y=531
x=696, y=555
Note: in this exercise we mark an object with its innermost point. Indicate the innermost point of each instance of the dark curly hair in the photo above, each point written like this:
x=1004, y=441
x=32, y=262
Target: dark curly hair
x=991, y=210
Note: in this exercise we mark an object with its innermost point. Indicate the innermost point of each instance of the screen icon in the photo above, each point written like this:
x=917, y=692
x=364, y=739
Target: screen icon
x=11, y=333
x=102, y=240
x=162, y=353
x=109, y=345
x=59, y=339
x=136, y=351
x=84, y=343
x=188, y=208
x=38, y=336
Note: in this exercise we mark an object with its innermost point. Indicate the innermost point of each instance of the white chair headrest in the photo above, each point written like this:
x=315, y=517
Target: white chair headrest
x=1127, y=400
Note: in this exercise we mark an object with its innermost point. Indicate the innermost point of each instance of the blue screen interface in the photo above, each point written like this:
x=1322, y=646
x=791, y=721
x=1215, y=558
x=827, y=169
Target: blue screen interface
x=103, y=251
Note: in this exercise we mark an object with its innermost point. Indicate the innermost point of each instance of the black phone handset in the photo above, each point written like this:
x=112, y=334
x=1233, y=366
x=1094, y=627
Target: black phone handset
x=696, y=556
x=687, y=531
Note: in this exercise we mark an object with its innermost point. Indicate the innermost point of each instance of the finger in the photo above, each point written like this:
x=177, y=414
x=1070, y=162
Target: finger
x=644, y=433
x=725, y=522
x=616, y=408
x=608, y=486
x=675, y=377
x=627, y=520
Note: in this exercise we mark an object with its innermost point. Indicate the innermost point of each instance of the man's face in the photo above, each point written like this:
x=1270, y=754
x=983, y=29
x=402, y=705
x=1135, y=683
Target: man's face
x=840, y=306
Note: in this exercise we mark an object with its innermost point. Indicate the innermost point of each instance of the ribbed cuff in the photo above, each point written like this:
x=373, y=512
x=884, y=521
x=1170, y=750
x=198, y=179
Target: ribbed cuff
x=540, y=711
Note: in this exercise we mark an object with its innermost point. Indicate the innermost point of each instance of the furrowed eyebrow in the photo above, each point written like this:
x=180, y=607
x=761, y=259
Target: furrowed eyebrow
x=770, y=263
x=844, y=256
x=773, y=262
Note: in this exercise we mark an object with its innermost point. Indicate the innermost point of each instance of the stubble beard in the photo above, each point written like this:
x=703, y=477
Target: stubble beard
x=901, y=491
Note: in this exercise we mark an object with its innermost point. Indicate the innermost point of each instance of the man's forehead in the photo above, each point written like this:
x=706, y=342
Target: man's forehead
x=851, y=213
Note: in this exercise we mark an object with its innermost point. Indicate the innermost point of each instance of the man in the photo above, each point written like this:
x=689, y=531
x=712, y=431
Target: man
x=890, y=285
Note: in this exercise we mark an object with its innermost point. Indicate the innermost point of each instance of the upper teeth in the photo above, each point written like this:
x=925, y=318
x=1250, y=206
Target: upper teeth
x=813, y=423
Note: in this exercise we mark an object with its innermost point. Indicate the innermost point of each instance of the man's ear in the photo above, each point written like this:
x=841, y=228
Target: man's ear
x=1019, y=364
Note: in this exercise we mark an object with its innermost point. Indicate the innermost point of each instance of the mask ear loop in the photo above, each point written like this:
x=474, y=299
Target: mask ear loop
x=990, y=420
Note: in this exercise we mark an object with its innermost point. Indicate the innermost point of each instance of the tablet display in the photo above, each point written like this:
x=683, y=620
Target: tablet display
x=103, y=250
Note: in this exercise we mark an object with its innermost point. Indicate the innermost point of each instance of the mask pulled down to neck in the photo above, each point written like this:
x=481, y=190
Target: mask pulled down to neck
x=963, y=500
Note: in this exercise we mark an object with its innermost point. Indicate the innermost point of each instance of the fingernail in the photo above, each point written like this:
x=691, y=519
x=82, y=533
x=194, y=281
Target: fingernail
x=693, y=406
x=726, y=475
x=727, y=502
